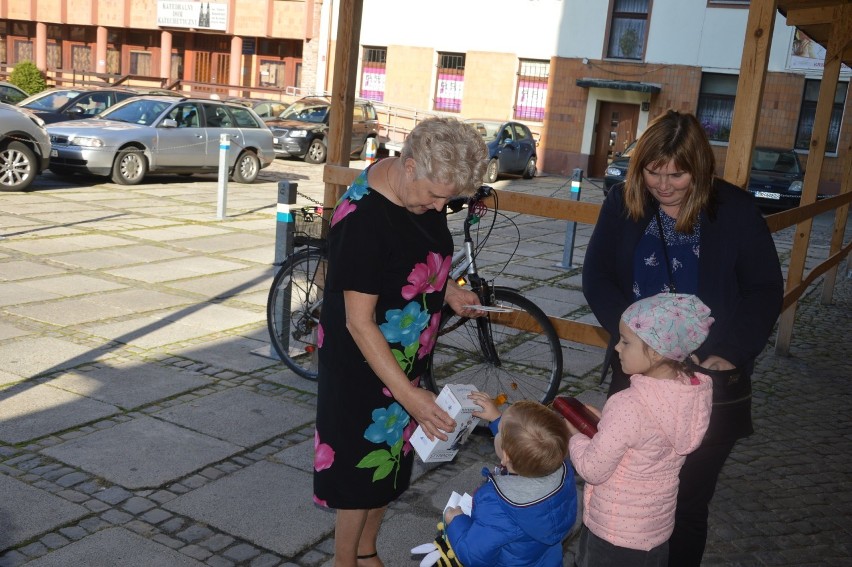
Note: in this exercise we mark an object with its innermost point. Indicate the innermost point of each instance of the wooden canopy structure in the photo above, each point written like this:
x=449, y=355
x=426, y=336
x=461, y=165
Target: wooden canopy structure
x=828, y=22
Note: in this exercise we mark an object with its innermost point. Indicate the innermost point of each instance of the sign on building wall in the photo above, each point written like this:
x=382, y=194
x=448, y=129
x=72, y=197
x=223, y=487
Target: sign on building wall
x=373, y=83
x=449, y=92
x=805, y=53
x=197, y=15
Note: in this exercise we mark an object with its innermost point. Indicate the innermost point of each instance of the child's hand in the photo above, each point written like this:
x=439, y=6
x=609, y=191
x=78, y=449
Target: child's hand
x=450, y=514
x=489, y=408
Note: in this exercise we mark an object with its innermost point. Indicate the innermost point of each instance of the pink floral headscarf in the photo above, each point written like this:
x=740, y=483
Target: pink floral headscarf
x=673, y=324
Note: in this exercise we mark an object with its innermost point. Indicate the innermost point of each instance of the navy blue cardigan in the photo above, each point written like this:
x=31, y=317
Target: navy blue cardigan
x=739, y=275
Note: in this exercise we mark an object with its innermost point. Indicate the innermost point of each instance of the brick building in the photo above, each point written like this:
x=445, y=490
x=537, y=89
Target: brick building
x=200, y=46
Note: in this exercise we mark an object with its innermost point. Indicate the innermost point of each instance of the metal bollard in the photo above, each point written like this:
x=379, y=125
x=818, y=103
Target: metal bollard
x=571, y=229
x=224, y=146
x=284, y=220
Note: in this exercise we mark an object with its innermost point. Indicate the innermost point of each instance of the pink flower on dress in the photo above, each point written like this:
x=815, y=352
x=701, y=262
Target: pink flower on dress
x=320, y=336
x=406, y=436
x=428, y=277
x=323, y=454
x=429, y=336
x=319, y=502
x=343, y=209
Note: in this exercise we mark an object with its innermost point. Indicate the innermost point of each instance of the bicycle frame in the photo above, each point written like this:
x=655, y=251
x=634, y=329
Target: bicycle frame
x=464, y=262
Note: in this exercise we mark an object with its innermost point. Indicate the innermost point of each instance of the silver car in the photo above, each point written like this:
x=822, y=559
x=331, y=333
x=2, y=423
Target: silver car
x=162, y=134
x=24, y=148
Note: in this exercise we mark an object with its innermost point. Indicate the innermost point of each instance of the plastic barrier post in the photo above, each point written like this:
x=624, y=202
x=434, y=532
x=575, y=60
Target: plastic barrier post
x=571, y=229
x=284, y=220
x=224, y=146
x=371, y=150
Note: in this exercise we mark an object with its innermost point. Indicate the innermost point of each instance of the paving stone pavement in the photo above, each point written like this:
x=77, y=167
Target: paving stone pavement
x=141, y=426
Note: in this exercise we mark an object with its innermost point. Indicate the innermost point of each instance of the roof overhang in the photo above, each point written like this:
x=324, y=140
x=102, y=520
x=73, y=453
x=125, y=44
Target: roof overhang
x=815, y=18
x=619, y=85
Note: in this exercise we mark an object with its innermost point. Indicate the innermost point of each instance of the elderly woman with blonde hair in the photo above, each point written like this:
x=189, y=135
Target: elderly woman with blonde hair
x=387, y=280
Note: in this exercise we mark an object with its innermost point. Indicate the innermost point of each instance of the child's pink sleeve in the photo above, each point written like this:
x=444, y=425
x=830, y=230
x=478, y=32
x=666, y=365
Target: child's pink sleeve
x=597, y=458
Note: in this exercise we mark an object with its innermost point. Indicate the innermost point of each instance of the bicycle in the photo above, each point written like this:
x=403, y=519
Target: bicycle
x=295, y=297
x=513, y=350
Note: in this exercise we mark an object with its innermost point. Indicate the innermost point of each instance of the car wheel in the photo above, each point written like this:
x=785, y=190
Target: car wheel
x=246, y=168
x=529, y=170
x=492, y=170
x=316, y=152
x=17, y=167
x=130, y=167
x=61, y=171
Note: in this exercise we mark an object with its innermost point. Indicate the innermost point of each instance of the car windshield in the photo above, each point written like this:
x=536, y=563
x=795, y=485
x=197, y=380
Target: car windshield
x=775, y=161
x=488, y=130
x=306, y=112
x=53, y=100
x=136, y=111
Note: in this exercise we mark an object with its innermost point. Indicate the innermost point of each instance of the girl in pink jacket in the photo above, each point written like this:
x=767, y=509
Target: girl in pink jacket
x=631, y=465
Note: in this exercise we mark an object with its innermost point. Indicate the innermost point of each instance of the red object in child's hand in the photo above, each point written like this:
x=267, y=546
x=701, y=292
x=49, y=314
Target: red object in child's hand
x=577, y=414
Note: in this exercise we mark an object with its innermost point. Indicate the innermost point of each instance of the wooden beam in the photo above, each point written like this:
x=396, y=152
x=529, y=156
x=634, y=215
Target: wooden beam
x=758, y=38
x=339, y=140
x=841, y=216
x=780, y=221
x=841, y=30
x=809, y=16
x=556, y=208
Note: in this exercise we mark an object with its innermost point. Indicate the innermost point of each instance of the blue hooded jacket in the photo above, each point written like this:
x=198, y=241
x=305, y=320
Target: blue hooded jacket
x=517, y=521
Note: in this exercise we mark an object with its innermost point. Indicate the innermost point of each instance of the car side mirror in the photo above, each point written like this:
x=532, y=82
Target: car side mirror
x=75, y=110
x=169, y=123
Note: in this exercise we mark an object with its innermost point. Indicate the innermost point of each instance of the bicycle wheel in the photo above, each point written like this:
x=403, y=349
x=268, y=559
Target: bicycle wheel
x=293, y=310
x=516, y=353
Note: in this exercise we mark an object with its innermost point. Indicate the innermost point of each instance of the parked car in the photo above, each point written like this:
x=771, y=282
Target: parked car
x=616, y=171
x=24, y=148
x=511, y=148
x=60, y=104
x=302, y=128
x=162, y=134
x=776, y=178
x=10, y=94
x=266, y=109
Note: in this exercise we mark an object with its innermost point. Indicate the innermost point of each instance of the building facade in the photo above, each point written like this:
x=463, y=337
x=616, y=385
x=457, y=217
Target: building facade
x=217, y=47
x=585, y=75
x=588, y=75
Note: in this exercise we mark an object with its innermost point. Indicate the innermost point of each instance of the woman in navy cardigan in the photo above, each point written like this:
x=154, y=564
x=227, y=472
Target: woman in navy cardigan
x=715, y=244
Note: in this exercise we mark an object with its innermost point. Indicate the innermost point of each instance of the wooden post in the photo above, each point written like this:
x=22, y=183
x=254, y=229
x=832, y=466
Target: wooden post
x=339, y=139
x=839, y=20
x=840, y=218
x=758, y=38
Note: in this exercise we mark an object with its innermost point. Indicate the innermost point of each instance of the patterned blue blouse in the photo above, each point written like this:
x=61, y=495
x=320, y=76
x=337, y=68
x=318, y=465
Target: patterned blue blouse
x=650, y=276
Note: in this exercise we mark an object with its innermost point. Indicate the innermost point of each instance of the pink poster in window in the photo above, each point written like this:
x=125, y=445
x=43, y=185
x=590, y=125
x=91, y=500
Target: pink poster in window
x=373, y=83
x=531, y=98
x=450, y=92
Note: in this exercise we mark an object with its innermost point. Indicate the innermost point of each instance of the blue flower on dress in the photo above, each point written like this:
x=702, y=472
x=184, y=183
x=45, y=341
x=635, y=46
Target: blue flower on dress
x=405, y=325
x=358, y=189
x=388, y=425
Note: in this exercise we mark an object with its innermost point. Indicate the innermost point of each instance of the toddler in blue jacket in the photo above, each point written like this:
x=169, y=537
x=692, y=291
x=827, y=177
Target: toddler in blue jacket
x=521, y=515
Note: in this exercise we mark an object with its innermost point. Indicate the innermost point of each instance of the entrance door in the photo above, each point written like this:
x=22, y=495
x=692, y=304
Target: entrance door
x=615, y=130
x=211, y=68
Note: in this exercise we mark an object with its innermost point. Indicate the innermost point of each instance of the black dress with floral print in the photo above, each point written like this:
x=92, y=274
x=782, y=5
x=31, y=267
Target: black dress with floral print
x=363, y=457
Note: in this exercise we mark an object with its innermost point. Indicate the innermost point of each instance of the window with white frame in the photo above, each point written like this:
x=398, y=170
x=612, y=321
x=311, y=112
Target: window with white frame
x=627, y=29
x=532, y=90
x=716, y=105
x=449, y=88
x=373, y=73
x=808, y=112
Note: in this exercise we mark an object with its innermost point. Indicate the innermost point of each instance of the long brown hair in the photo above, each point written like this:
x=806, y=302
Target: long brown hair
x=677, y=137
